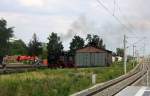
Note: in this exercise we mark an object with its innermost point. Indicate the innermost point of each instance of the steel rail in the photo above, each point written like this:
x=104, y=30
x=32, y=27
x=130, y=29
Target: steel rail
x=103, y=88
x=126, y=82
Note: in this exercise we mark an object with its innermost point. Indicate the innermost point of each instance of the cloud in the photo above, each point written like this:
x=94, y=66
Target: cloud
x=66, y=18
x=28, y=24
x=32, y=3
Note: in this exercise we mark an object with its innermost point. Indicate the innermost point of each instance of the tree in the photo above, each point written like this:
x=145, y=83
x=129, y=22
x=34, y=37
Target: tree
x=95, y=41
x=76, y=43
x=5, y=34
x=44, y=51
x=17, y=47
x=120, y=52
x=34, y=46
x=54, y=48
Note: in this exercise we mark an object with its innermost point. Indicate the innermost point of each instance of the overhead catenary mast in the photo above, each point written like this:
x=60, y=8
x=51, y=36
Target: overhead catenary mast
x=125, y=55
x=133, y=54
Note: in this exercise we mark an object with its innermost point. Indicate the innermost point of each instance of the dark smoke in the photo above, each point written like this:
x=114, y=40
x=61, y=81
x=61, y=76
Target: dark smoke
x=82, y=26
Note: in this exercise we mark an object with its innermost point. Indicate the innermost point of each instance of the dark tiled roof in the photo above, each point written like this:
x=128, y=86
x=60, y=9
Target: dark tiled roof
x=92, y=49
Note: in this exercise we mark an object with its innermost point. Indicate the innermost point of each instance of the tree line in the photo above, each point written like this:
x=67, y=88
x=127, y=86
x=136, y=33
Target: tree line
x=51, y=50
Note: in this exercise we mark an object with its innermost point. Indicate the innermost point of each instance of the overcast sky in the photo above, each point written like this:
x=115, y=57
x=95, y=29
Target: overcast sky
x=80, y=17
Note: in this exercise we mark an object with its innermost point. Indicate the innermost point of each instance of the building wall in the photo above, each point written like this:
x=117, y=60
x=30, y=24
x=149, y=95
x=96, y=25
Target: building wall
x=88, y=59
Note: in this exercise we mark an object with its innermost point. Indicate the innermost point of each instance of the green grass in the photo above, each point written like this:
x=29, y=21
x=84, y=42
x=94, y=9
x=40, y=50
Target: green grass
x=58, y=82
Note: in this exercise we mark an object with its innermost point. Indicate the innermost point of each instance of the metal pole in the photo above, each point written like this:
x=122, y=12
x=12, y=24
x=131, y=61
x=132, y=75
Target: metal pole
x=125, y=57
x=133, y=54
x=144, y=50
x=133, y=50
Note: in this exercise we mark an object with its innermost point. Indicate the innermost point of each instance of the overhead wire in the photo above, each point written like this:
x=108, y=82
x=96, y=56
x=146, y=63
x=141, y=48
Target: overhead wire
x=130, y=25
x=130, y=29
x=115, y=17
x=136, y=42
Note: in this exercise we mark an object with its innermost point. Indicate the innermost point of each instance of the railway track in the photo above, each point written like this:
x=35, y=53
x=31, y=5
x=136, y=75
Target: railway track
x=111, y=88
x=115, y=88
x=17, y=68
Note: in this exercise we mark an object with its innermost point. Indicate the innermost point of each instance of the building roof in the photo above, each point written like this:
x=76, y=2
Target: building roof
x=92, y=49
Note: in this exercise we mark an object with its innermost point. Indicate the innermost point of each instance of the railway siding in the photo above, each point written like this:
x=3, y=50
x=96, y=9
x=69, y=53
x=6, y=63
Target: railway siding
x=18, y=68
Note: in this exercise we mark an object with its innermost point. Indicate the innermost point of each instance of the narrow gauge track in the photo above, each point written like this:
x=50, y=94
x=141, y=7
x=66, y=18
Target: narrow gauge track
x=111, y=88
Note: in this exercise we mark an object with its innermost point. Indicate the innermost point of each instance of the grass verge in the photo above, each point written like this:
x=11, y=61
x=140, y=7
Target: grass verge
x=58, y=82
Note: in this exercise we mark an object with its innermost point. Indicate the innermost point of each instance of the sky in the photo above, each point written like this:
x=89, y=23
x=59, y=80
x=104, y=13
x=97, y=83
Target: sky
x=80, y=17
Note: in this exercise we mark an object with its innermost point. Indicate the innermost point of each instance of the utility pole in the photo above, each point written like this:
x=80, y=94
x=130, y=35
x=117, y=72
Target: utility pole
x=144, y=53
x=133, y=54
x=134, y=50
x=125, y=57
x=136, y=55
x=144, y=49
